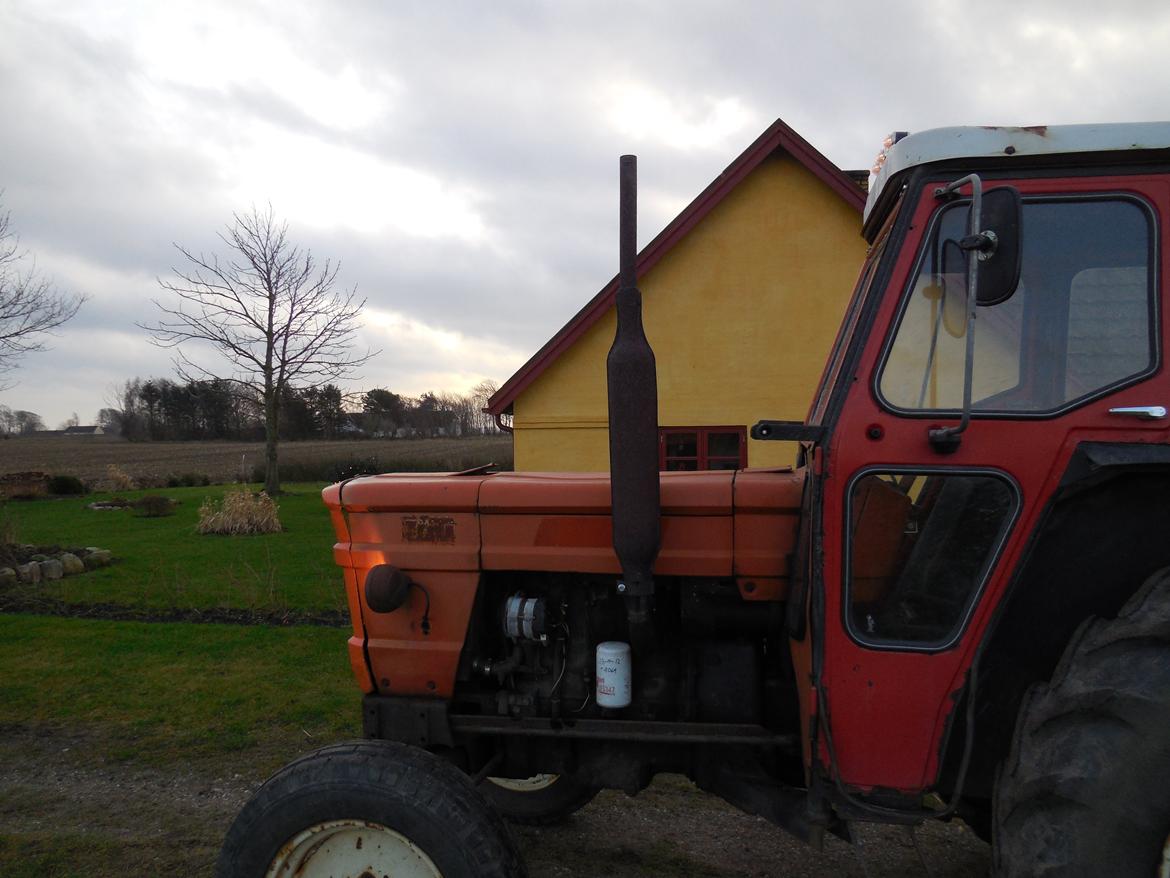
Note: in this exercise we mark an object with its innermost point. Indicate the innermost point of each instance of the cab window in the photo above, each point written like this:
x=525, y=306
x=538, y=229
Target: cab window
x=920, y=547
x=1081, y=320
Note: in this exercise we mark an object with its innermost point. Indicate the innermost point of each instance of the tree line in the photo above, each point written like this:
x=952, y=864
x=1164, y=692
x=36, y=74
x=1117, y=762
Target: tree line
x=15, y=422
x=161, y=409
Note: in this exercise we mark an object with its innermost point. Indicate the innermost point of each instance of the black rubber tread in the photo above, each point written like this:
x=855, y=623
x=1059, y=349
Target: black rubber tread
x=423, y=797
x=545, y=807
x=1085, y=789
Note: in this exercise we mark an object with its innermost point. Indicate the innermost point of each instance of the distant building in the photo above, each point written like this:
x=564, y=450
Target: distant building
x=83, y=431
x=742, y=296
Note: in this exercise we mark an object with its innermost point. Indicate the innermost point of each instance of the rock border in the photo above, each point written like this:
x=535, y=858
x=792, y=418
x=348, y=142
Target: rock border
x=48, y=568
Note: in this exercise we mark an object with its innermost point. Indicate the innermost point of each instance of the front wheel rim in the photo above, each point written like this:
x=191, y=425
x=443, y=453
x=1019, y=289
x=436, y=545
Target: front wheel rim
x=351, y=849
x=533, y=784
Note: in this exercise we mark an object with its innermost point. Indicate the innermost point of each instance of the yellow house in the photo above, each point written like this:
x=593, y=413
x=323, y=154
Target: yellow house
x=742, y=296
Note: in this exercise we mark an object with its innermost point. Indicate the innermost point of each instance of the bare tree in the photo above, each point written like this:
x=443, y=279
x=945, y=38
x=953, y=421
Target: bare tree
x=481, y=393
x=28, y=422
x=30, y=306
x=269, y=310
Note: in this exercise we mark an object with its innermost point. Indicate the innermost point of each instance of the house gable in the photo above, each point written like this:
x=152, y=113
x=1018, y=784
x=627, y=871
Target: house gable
x=741, y=311
x=778, y=137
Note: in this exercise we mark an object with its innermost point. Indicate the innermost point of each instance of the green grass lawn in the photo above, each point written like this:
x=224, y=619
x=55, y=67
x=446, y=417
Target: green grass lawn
x=164, y=563
x=199, y=701
x=177, y=691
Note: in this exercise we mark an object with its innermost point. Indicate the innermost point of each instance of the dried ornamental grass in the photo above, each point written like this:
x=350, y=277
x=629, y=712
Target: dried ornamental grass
x=118, y=478
x=239, y=513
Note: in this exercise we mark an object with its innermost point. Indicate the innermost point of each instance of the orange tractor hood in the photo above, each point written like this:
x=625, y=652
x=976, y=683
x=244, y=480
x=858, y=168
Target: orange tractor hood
x=713, y=523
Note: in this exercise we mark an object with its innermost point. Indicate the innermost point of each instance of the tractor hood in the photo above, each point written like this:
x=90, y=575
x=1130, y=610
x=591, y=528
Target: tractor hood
x=740, y=524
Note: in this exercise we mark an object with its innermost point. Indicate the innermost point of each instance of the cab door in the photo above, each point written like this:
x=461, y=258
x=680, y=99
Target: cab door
x=920, y=540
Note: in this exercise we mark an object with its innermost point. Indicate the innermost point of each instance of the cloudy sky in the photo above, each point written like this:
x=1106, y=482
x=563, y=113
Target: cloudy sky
x=460, y=158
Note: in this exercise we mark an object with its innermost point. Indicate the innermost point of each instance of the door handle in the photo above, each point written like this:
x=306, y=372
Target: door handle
x=1145, y=412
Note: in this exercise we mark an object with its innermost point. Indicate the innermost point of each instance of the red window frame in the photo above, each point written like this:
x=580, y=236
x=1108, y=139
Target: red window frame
x=702, y=456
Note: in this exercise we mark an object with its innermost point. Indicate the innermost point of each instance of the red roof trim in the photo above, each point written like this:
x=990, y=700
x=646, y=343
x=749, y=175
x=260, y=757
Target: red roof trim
x=778, y=136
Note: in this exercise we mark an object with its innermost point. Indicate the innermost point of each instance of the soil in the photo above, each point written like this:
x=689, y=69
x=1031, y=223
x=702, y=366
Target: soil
x=62, y=796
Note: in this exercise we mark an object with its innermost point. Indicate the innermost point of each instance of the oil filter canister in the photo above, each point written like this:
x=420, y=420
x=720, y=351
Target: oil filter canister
x=614, y=684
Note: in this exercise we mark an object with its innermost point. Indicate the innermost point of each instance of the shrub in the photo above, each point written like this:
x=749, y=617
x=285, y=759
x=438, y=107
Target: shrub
x=118, y=478
x=239, y=513
x=62, y=485
x=189, y=480
x=153, y=506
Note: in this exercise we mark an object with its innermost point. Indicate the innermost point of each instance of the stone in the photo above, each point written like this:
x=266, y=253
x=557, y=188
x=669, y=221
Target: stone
x=38, y=557
x=7, y=576
x=51, y=569
x=97, y=558
x=71, y=564
x=29, y=573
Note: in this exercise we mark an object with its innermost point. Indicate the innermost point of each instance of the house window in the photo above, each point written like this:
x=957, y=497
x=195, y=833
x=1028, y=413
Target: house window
x=696, y=448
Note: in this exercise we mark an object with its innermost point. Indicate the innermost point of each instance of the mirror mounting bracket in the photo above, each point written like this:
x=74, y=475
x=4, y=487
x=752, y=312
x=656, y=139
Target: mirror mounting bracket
x=983, y=243
x=944, y=440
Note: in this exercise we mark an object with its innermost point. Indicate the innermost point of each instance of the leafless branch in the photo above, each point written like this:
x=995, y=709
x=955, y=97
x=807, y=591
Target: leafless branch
x=31, y=307
x=268, y=310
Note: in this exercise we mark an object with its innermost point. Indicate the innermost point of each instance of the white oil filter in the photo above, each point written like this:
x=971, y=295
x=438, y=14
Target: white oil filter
x=613, y=674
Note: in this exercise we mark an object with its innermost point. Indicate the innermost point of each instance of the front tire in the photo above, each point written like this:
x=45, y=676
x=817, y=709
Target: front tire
x=1086, y=787
x=368, y=808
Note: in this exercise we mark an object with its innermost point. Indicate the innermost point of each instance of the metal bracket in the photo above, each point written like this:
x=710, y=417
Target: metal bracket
x=787, y=431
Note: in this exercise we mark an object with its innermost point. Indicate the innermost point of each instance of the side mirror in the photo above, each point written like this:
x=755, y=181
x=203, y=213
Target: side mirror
x=990, y=252
x=1000, y=221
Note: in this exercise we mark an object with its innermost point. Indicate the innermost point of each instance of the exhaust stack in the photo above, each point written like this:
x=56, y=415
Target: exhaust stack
x=633, y=426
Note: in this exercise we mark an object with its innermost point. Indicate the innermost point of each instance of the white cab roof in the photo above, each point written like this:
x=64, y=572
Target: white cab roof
x=939, y=144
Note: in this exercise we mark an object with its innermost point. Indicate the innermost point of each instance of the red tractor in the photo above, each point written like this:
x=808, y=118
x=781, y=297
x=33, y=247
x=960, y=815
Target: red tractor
x=955, y=604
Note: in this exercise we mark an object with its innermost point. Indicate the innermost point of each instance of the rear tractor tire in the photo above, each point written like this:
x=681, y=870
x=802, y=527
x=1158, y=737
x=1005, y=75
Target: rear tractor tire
x=540, y=800
x=1086, y=787
x=369, y=808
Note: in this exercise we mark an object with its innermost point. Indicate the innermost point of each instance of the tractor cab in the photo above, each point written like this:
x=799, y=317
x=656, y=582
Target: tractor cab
x=1005, y=328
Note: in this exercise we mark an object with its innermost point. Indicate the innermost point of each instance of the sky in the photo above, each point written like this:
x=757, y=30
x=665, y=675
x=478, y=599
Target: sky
x=459, y=159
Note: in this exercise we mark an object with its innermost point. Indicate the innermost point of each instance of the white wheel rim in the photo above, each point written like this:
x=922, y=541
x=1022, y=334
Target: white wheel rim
x=533, y=784
x=351, y=849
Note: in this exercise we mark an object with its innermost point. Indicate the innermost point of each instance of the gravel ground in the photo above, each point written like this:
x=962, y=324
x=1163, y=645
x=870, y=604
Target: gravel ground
x=61, y=795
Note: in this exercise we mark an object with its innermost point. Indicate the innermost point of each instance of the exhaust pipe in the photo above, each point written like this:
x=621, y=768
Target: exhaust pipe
x=633, y=429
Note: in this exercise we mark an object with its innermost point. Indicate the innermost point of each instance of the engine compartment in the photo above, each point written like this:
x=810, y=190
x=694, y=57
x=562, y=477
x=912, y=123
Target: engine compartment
x=715, y=666
x=704, y=663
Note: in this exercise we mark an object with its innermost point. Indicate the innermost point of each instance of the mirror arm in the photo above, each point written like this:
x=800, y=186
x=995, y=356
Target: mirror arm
x=945, y=440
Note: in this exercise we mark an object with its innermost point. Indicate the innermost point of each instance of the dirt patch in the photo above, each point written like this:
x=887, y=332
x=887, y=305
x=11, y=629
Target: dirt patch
x=62, y=797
